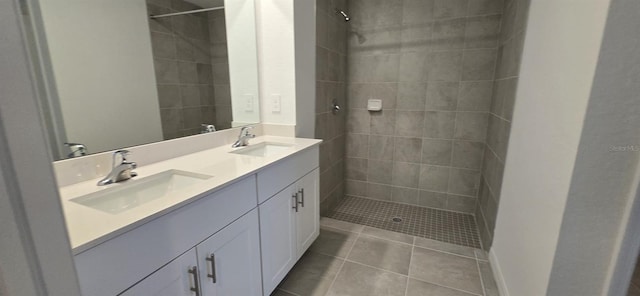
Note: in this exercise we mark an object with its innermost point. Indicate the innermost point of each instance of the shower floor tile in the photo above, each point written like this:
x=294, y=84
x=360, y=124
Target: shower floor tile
x=445, y=226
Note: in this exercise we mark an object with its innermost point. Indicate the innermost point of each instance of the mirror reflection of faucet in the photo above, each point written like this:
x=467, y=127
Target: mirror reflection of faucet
x=207, y=128
x=77, y=149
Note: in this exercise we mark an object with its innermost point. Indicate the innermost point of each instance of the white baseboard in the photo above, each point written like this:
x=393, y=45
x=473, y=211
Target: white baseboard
x=497, y=273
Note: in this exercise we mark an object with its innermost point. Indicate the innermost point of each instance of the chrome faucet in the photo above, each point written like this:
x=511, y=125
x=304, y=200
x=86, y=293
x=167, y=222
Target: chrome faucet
x=77, y=149
x=243, y=138
x=120, y=172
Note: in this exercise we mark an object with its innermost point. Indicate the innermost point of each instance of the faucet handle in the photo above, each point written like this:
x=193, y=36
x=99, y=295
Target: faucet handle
x=245, y=130
x=123, y=153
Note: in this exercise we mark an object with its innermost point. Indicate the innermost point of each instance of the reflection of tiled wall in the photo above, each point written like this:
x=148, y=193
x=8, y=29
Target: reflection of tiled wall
x=500, y=116
x=182, y=51
x=330, y=84
x=432, y=64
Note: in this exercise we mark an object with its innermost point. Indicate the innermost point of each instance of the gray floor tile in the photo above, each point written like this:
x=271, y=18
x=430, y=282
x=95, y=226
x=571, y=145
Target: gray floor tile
x=481, y=255
x=312, y=275
x=334, y=242
x=279, y=292
x=445, y=247
x=386, y=234
x=446, y=270
x=420, y=288
x=489, y=283
x=358, y=280
x=342, y=225
x=382, y=254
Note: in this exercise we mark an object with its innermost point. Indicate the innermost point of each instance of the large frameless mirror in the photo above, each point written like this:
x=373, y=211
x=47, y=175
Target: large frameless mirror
x=128, y=72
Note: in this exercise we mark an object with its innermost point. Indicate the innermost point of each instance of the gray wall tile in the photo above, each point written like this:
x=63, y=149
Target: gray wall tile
x=381, y=147
x=405, y=195
x=407, y=149
x=482, y=31
x=434, y=178
x=417, y=11
x=464, y=182
x=439, y=124
x=483, y=7
x=379, y=171
x=448, y=34
x=358, y=121
x=383, y=123
x=357, y=145
x=405, y=174
x=445, y=65
x=479, y=64
x=409, y=123
x=432, y=199
x=442, y=95
x=475, y=96
x=450, y=8
x=467, y=154
x=356, y=168
x=436, y=151
x=471, y=126
x=411, y=96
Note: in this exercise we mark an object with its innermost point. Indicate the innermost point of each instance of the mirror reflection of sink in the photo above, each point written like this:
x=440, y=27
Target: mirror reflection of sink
x=264, y=149
x=118, y=199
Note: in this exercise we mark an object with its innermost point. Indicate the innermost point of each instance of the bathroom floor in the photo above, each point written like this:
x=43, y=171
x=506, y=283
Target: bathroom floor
x=446, y=226
x=357, y=260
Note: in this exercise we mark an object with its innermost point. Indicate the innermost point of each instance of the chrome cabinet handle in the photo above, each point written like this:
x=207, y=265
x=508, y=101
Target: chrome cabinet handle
x=301, y=191
x=295, y=201
x=194, y=272
x=212, y=275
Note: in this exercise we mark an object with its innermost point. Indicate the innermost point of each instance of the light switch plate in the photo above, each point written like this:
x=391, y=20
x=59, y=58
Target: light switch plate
x=276, y=101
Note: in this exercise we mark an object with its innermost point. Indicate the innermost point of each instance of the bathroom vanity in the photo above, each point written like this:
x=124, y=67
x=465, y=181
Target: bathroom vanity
x=221, y=221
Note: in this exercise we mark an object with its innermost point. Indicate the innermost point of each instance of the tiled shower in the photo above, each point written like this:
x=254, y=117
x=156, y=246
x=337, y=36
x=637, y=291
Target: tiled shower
x=446, y=73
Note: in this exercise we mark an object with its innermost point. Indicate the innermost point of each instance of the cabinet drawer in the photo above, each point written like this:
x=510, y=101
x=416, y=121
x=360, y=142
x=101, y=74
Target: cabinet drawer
x=117, y=264
x=274, y=178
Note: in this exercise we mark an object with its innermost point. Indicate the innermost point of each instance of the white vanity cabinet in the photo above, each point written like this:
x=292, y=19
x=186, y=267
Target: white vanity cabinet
x=289, y=220
x=174, y=279
x=227, y=263
x=121, y=262
x=241, y=239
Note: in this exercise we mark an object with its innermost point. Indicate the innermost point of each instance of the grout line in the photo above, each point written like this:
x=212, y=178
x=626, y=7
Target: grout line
x=406, y=289
x=480, y=276
x=295, y=294
x=342, y=265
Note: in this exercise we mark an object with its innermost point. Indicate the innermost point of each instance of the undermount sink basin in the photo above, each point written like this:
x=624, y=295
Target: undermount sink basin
x=136, y=192
x=264, y=149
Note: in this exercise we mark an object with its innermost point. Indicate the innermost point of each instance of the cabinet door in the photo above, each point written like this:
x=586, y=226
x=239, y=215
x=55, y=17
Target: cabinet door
x=174, y=279
x=230, y=259
x=277, y=237
x=308, y=216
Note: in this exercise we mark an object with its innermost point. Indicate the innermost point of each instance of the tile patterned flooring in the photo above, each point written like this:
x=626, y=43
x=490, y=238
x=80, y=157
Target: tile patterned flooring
x=446, y=226
x=350, y=259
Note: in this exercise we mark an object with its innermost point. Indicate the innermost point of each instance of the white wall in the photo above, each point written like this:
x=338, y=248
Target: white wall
x=103, y=67
x=276, y=55
x=561, y=48
x=607, y=170
x=243, y=61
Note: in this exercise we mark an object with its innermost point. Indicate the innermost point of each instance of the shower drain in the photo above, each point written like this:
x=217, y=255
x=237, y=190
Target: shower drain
x=396, y=219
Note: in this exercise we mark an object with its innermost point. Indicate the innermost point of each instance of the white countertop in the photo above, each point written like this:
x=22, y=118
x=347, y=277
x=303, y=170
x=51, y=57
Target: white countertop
x=89, y=227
